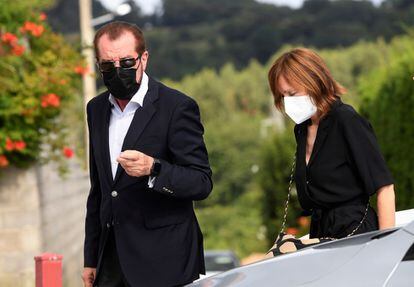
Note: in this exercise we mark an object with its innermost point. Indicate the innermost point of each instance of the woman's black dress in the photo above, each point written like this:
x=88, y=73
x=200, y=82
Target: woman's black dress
x=345, y=168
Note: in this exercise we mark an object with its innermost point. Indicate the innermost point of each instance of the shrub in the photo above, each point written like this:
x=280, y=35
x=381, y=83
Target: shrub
x=40, y=80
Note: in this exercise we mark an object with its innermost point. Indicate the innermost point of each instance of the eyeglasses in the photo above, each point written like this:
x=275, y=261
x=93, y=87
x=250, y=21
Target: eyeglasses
x=126, y=63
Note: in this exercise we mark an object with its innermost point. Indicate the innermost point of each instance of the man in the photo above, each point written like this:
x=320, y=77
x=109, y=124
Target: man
x=148, y=162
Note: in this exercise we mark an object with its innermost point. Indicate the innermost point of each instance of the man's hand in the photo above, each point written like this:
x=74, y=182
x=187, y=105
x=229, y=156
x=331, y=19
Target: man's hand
x=135, y=163
x=88, y=276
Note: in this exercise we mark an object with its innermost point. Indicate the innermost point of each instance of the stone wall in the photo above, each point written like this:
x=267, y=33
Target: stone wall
x=41, y=212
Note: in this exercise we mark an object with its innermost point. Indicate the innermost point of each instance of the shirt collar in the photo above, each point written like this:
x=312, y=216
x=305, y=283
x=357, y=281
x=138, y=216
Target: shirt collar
x=139, y=96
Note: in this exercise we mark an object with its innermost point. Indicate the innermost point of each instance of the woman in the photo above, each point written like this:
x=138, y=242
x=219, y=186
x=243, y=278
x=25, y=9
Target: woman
x=338, y=161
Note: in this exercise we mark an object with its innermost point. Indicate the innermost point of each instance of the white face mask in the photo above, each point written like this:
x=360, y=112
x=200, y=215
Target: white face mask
x=299, y=108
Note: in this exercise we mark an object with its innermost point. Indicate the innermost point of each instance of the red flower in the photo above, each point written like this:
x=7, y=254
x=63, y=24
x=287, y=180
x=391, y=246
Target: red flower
x=38, y=31
x=68, y=152
x=19, y=145
x=18, y=50
x=9, y=145
x=33, y=28
x=81, y=70
x=9, y=38
x=28, y=26
x=42, y=16
x=63, y=82
x=50, y=100
x=3, y=161
x=54, y=100
x=303, y=221
x=292, y=230
x=12, y=40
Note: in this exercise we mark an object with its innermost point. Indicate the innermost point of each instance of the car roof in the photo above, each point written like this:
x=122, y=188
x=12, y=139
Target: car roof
x=410, y=226
x=324, y=252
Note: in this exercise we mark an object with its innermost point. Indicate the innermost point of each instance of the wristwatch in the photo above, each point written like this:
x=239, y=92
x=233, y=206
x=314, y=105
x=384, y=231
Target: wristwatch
x=156, y=167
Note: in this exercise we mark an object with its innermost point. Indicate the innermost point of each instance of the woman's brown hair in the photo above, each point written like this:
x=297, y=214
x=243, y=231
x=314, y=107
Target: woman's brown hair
x=304, y=68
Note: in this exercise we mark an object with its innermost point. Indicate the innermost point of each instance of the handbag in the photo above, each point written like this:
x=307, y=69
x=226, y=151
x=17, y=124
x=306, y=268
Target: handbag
x=287, y=243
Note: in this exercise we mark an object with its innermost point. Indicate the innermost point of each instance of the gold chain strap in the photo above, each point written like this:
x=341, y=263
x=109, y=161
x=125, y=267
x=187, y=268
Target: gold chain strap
x=292, y=172
x=360, y=223
x=288, y=199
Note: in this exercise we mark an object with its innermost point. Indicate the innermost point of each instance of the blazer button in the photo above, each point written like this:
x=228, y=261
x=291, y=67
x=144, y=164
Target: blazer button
x=108, y=225
x=307, y=182
x=114, y=193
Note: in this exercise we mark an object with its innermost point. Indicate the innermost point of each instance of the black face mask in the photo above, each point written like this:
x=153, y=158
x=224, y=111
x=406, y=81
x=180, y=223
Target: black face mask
x=121, y=83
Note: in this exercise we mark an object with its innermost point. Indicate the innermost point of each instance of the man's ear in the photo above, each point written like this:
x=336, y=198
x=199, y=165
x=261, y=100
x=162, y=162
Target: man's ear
x=145, y=55
x=144, y=59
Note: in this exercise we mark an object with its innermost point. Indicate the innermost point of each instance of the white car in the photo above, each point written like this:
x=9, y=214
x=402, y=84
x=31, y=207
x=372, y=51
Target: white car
x=378, y=258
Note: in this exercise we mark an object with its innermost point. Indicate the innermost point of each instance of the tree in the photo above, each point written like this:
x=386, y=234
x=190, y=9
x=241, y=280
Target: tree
x=236, y=226
x=190, y=35
x=276, y=163
x=388, y=104
x=233, y=105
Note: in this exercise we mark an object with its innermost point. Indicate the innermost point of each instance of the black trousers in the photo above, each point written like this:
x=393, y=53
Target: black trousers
x=110, y=272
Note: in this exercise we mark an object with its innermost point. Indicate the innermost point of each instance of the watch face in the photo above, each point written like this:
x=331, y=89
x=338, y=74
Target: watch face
x=156, y=168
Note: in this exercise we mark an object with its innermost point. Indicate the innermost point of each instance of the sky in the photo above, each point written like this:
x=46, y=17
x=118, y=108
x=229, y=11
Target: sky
x=148, y=6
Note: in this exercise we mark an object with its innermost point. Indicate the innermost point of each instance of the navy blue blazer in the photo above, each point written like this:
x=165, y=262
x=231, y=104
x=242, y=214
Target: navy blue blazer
x=158, y=239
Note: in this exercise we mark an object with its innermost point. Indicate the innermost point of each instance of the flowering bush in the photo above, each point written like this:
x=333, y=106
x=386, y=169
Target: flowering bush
x=40, y=82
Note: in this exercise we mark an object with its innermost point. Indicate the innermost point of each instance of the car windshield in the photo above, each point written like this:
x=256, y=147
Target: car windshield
x=219, y=262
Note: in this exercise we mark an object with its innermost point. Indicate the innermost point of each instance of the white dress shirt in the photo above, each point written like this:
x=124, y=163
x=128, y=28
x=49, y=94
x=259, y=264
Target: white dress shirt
x=121, y=120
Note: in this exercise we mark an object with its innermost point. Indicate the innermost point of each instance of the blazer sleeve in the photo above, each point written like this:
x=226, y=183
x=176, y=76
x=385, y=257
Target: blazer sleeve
x=188, y=175
x=92, y=222
x=365, y=153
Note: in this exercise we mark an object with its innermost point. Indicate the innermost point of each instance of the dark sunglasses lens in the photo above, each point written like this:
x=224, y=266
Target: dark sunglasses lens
x=127, y=63
x=106, y=66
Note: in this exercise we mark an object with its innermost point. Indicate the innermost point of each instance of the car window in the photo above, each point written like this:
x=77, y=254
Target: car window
x=409, y=256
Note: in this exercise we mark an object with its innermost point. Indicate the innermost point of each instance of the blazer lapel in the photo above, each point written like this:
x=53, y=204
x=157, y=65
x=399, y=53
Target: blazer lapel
x=104, y=136
x=142, y=117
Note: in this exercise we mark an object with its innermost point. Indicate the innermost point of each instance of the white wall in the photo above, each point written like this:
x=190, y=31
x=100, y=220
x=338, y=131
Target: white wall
x=41, y=212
